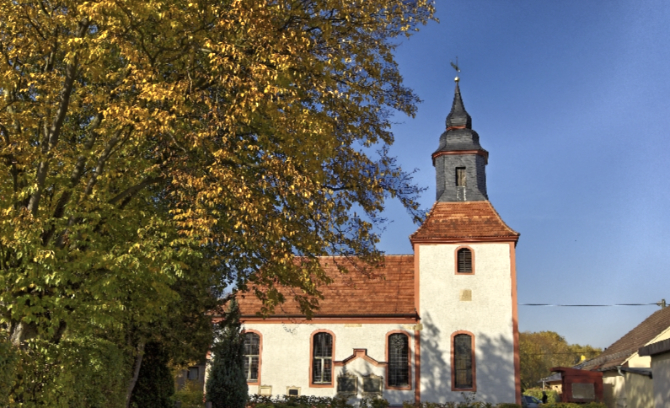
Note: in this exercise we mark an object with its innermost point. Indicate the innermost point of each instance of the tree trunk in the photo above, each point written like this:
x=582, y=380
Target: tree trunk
x=21, y=332
x=136, y=372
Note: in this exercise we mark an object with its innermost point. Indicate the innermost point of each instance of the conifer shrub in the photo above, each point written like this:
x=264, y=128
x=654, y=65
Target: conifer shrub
x=155, y=385
x=227, y=384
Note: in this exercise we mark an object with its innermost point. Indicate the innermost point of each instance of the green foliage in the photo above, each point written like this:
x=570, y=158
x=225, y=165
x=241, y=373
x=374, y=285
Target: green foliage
x=191, y=395
x=574, y=405
x=226, y=383
x=8, y=361
x=306, y=401
x=552, y=396
x=469, y=402
x=373, y=403
x=155, y=384
x=258, y=401
x=78, y=373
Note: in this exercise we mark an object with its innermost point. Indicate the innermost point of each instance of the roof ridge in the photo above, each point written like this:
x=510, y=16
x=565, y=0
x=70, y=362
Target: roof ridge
x=635, y=336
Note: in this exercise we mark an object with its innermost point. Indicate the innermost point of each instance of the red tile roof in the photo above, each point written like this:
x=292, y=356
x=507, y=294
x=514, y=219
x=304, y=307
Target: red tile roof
x=463, y=221
x=385, y=291
x=629, y=344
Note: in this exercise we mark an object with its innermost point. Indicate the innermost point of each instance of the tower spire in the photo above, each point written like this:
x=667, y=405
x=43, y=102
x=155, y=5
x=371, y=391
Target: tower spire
x=460, y=161
x=458, y=117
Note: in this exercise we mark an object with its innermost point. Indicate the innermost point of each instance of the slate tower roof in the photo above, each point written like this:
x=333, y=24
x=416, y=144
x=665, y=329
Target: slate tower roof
x=459, y=159
x=462, y=212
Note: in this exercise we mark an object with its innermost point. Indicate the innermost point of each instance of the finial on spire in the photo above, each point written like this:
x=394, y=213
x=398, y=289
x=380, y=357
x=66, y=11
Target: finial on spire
x=457, y=68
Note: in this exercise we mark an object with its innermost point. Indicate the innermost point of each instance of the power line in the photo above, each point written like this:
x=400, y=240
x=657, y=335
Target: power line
x=661, y=303
x=616, y=304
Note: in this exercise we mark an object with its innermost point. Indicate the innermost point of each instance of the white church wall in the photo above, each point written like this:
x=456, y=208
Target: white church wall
x=488, y=316
x=285, y=355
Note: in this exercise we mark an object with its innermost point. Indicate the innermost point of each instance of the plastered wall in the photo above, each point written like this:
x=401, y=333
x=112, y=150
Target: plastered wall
x=639, y=391
x=660, y=364
x=488, y=316
x=285, y=358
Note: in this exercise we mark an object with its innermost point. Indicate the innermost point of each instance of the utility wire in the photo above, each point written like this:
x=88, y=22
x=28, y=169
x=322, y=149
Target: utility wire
x=616, y=304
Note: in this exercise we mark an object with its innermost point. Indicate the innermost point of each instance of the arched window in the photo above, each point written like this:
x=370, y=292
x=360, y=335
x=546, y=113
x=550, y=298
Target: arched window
x=463, y=362
x=398, y=360
x=322, y=358
x=252, y=352
x=464, y=261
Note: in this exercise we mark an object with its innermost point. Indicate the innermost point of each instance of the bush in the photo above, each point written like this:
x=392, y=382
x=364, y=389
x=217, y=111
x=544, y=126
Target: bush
x=468, y=403
x=76, y=373
x=191, y=395
x=574, y=405
x=373, y=403
x=260, y=401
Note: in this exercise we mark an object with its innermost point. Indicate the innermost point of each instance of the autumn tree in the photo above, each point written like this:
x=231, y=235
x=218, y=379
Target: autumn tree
x=157, y=150
x=541, y=351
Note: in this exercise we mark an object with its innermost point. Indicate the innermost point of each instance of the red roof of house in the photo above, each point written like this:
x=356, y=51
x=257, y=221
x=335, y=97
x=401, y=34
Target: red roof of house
x=463, y=221
x=384, y=291
x=629, y=344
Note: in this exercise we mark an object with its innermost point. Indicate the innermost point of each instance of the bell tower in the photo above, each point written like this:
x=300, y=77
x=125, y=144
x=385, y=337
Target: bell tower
x=460, y=161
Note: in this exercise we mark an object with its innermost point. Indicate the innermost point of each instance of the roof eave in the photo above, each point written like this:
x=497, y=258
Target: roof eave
x=453, y=240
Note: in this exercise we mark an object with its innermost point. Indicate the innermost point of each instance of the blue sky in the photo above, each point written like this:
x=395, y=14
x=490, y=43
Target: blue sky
x=572, y=101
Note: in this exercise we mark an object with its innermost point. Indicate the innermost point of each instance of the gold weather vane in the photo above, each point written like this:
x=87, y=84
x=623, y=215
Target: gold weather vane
x=456, y=67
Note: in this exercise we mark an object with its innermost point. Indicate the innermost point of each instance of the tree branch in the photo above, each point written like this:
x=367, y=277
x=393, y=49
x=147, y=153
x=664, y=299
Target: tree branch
x=131, y=191
x=53, y=134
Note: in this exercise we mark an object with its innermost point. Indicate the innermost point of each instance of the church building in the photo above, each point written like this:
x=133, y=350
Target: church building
x=428, y=326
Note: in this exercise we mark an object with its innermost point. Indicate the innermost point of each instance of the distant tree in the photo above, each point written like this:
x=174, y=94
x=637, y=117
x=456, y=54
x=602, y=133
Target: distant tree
x=226, y=384
x=155, y=385
x=541, y=351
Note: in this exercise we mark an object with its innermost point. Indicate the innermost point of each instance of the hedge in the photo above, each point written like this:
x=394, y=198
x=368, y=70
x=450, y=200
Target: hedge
x=257, y=401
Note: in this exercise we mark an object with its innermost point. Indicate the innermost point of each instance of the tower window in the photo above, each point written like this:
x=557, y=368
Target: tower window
x=460, y=177
x=464, y=260
x=463, y=370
